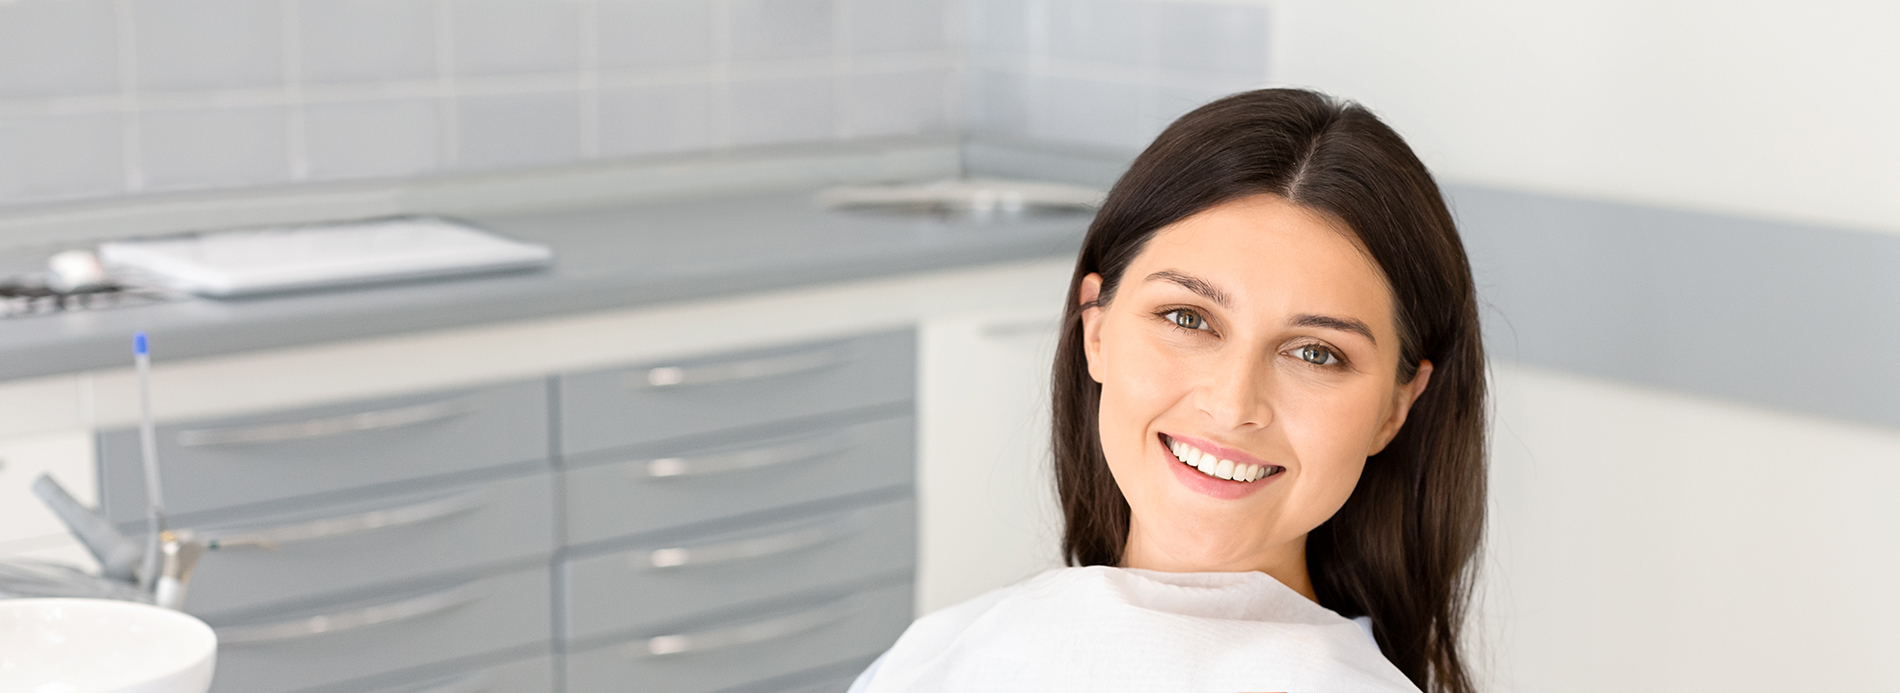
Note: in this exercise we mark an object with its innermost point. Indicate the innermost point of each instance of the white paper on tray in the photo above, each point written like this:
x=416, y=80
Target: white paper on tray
x=253, y=261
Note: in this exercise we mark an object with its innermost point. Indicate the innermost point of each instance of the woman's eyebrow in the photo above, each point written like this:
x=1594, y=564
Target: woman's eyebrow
x=1194, y=284
x=1335, y=323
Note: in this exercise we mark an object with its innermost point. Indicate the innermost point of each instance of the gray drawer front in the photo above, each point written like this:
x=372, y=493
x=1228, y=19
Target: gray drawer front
x=624, y=592
x=232, y=462
x=508, y=611
x=448, y=530
x=535, y=675
x=618, y=499
x=602, y=410
x=879, y=616
x=840, y=684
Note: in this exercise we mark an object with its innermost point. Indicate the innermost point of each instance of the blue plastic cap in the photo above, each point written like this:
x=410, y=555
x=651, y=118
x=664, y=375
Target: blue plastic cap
x=139, y=346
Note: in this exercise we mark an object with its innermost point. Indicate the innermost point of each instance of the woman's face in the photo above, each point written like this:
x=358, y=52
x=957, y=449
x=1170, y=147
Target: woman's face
x=1249, y=365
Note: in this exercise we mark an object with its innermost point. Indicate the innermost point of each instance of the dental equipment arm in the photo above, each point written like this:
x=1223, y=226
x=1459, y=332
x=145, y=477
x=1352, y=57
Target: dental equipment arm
x=118, y=557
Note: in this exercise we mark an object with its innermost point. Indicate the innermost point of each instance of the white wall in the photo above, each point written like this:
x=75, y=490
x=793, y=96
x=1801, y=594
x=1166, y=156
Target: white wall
x=1773, y=109
x=1653, y=541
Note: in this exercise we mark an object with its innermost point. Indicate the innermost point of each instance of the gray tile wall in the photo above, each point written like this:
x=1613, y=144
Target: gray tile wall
x=1107, y=73
x=102, y=98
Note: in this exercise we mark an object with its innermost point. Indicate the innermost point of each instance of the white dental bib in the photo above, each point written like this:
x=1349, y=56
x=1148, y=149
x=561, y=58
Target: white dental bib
x=1103, y=629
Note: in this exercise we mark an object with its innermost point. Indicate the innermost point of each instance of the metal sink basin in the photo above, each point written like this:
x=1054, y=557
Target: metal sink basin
x=978, y=199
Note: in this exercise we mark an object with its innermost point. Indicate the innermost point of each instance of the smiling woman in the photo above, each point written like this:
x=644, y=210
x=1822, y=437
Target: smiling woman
x=1268, y=417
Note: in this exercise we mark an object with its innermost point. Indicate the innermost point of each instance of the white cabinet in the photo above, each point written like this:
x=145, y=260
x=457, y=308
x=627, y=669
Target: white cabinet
x=987, y=512
x=27, y=528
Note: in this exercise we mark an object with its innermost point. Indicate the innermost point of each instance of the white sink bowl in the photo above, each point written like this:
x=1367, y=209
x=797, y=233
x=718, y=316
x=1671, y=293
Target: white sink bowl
x=102, y=646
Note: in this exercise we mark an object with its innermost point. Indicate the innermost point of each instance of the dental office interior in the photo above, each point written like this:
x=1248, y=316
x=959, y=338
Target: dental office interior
x=738, y=359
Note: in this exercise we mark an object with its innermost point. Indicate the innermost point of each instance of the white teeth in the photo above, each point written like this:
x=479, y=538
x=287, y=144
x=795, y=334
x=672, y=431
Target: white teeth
x=1204, y=462
x=1214, y=466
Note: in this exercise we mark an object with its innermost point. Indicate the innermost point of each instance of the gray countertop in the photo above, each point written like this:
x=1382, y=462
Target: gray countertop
x=606, y=258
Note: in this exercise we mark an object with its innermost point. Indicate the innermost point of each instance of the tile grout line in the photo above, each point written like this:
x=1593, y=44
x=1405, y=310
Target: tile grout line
x=954, y=35
x=448, y=102
x=1038, y=64
x=295, y=142
x=722, y=75
x=131, y=145
x=589, y=96
x=312, y=94
x=1147, y=99
x=841, y=75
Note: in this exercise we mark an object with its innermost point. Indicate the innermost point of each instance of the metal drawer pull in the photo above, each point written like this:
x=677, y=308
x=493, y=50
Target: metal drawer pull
x=323, y=428
x=755, y=458
x=416, y=514
x=351, y=620
x=744, y=549
x=736, y=371
x=754, y=632
x=471, y=683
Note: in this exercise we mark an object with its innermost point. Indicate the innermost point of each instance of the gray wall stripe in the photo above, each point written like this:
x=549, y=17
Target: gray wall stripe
x=1796, y=317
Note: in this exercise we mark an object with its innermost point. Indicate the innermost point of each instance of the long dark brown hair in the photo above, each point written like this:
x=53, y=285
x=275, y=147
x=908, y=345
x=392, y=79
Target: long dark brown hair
x=1402, y=548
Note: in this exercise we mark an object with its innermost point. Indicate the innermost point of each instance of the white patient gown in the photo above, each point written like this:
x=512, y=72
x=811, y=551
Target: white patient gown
x=1103, y=629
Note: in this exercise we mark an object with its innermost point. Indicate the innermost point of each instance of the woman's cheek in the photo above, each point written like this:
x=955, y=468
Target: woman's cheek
x=1330, y=435
x=1144, y=370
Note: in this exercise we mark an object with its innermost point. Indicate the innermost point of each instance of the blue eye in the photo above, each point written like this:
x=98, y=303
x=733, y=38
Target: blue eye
x=1316, y=355
x=1186, y=319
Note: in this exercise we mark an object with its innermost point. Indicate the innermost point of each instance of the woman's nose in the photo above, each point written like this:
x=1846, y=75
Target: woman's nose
x=1236, y=392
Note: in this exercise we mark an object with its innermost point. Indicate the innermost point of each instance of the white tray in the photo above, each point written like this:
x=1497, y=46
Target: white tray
x=266, y=260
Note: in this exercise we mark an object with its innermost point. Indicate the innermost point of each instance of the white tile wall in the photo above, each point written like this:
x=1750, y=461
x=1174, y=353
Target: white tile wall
x=1108, y=73
x=879, y=26
x=1216, y=38
x=113, y=97
x=1101, y=31
x=907, y=102
x=518, y=129
x=642, y=33
x=654, y=119
x=372, y=138
x=58, y=48
x=769, y=111
x=344, y=41
x=501, y=37
x=768, y=29
x=57, y=156
x=206, y=44
x=215, y=147
x=1089, y=111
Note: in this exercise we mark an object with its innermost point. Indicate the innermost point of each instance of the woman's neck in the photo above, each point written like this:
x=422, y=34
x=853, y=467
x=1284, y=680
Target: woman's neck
x=1286, y=564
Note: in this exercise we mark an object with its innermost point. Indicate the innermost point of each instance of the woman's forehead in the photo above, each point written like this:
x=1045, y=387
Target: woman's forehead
x=1269, y=255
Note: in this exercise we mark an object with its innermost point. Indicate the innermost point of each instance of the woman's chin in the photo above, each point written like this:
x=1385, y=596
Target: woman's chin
x=1203, y=540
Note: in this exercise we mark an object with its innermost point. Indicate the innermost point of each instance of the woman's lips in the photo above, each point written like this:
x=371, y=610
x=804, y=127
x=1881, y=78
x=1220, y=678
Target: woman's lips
x=1230, y=461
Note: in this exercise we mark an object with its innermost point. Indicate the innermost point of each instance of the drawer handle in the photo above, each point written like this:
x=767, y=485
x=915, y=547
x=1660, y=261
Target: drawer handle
x=754, y=632
x=667, y=377
x=471, y=683
x=746, y=549
x=360, y=422
x=668, y=467
x=419, y=513
x=365, y=617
